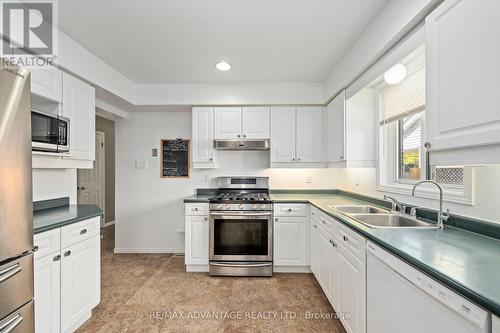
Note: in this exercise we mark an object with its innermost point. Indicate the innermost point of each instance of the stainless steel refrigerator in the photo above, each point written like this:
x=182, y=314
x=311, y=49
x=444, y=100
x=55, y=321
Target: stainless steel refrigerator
x=16, y=208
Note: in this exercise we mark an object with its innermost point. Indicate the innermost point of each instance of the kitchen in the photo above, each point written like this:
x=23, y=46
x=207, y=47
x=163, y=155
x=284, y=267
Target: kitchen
x=224, y=190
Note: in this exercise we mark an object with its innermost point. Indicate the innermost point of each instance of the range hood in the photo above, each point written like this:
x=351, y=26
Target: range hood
x=246, y=144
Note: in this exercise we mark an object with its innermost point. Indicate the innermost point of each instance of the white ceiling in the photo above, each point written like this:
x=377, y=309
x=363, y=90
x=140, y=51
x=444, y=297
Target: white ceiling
x=179, y=41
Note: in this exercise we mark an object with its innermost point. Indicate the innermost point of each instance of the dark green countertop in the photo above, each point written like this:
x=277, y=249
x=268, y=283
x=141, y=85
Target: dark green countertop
x=466, y=262
x=198, y=198
x=51, y=218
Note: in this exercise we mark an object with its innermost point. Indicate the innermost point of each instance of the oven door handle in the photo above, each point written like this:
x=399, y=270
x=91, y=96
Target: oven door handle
x=240, y=265
x=240, y=214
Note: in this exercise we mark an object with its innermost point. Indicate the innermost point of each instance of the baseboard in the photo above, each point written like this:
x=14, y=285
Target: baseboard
x=147, y=250
x=197, y=268
x=292, y=269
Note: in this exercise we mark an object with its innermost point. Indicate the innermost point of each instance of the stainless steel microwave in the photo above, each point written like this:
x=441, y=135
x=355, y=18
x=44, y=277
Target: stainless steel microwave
x=49, y=132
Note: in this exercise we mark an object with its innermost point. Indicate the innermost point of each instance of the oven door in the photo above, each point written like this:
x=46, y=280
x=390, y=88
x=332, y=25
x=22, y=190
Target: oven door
x=241, y=236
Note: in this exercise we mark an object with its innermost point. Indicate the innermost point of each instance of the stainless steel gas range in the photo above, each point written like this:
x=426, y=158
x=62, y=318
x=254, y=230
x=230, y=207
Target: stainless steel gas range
x=241, y=228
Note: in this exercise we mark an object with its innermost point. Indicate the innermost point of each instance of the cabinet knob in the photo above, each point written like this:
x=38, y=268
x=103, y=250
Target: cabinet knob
x=276, y=219
x=427, y=144
x=211, y=158
x=67, y=253
x=205, y=219
x=83, y=231
x=35, y=248
x=345, y=239
x=57, y=258
x=315, y=226
x=298, y=159
x=289, y=209
x=83, y=188
x=341, y=157
x=333, y=244
x=293, y=159
x=244, y=135
x=239, y=136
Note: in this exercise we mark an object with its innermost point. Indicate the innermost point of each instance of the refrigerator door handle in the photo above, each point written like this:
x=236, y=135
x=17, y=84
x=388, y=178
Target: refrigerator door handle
x=11, y=325
x=8, y=273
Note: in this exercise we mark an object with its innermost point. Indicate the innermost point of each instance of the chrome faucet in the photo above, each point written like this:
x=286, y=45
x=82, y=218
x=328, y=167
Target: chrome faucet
x=441, y=216
x=396, y=205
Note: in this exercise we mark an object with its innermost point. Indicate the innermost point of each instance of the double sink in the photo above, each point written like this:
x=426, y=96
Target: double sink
x=374, y=217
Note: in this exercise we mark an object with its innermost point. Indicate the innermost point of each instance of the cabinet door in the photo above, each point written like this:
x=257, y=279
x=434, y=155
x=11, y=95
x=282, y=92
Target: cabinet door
x=325, y=263
x=47, y=82
x=227, y=122
x=462, y=68
x=309, y=143
x=80, y=281
x=47, y=285
x=291, y=241
x=197, y=240
x=283, y=134
x=336, y=129
x=79, y=107
x=203, y=135
x=256, y=122
x=351, y=296
x=314, y=245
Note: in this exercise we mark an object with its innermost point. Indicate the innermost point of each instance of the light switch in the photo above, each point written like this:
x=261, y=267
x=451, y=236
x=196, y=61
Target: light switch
x=141, y=165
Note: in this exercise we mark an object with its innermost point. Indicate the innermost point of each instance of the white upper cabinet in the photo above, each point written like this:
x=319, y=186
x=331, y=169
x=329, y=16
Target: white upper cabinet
x=228, y=122
x=283, y=134
x=47, y=83
x=296, y=136
x=203, y=137
x=462, y=69
x=256, y=122
x=336, y=129
x=242, y=123
x=79, y=107
x=351, y=130
x=309, y=143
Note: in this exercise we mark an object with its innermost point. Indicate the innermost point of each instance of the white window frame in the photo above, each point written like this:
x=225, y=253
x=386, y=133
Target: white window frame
x=387, y=159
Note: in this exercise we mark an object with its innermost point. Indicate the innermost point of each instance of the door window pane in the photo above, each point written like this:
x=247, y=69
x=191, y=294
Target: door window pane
x=410, y=139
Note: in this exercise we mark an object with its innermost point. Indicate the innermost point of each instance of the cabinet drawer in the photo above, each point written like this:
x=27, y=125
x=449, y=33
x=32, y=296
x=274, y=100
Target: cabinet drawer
x=352, y=241
x=328, y=223
x=80, y=231
x=47, y=243
x=290, y=210
x=197, y=209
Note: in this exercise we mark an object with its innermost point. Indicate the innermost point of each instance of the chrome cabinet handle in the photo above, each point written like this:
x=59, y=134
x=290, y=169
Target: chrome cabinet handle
x=211, y=158
x=67, y=253
x=289, y=209
x=194, y=209
x=35, y=248
x=83, y=232
x=205, y=219
x=345, y=239
x=57, y=258
x=9, y=272
x=11, y=325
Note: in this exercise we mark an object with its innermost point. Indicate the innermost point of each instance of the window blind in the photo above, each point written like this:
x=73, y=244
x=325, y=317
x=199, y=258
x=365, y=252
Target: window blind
x=404, y=98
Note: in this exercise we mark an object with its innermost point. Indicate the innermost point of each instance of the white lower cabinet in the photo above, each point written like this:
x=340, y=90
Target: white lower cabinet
x=80, y=282
x=314, y=242
x=327, y=266
x=67, y=281
x=48, y=294
x=291, y=235
x=351, y=295
x=197, y=236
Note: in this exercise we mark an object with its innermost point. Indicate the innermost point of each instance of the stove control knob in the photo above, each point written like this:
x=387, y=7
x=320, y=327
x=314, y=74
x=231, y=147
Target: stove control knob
x=263, y=206
x=228, y=206
x=240, y=206
x=219, y=206
x=254, y=206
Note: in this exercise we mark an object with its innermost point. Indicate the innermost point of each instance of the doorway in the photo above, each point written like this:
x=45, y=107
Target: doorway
x=91, y=182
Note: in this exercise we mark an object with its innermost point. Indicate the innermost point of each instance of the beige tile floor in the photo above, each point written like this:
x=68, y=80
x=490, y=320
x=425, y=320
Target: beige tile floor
x=153, y=293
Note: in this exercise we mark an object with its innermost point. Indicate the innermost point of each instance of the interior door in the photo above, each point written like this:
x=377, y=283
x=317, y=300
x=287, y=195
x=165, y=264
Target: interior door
x=256, y=122
x=309, y=143
x=283, y=134
x=91, y=184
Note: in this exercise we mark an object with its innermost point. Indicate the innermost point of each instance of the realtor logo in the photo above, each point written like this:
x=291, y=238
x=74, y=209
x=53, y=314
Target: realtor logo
x=29, y=32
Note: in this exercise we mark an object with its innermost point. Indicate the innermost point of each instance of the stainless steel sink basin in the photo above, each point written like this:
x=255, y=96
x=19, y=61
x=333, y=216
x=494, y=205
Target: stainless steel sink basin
x=359, y=209
x=391, y=221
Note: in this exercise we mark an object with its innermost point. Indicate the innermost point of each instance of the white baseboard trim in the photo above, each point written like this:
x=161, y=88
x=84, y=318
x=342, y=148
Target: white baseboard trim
x=292, y=269
x=197, y=268
x=147, y=250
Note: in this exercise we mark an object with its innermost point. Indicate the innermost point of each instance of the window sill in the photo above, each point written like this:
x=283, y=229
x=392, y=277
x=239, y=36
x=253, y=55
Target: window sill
x=459, y=196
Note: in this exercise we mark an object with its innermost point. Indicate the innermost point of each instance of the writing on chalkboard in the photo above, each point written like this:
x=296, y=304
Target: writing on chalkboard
x=175, y=158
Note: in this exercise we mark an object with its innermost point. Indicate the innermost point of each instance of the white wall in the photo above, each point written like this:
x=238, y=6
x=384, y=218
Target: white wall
x=54, y=183
x=149, y=209
x=486, y=192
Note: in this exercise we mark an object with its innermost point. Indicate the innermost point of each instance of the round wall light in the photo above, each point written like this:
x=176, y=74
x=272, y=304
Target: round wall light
x=395, y=74
x=223, y=66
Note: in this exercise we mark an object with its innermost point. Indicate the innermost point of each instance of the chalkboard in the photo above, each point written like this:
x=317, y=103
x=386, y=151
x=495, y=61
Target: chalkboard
x=175, y=158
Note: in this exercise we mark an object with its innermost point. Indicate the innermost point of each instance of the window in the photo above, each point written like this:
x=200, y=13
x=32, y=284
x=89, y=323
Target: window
x=400, y=99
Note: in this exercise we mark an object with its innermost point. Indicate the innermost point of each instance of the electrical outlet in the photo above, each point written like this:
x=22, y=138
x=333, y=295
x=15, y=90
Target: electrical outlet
x=141, y=165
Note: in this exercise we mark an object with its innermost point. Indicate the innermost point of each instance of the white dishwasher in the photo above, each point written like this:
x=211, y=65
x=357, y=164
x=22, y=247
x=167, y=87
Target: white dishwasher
x=401, y=299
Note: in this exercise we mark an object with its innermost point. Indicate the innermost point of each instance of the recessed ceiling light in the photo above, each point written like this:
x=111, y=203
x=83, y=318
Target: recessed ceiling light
x=223, y=66
x=395, y=74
